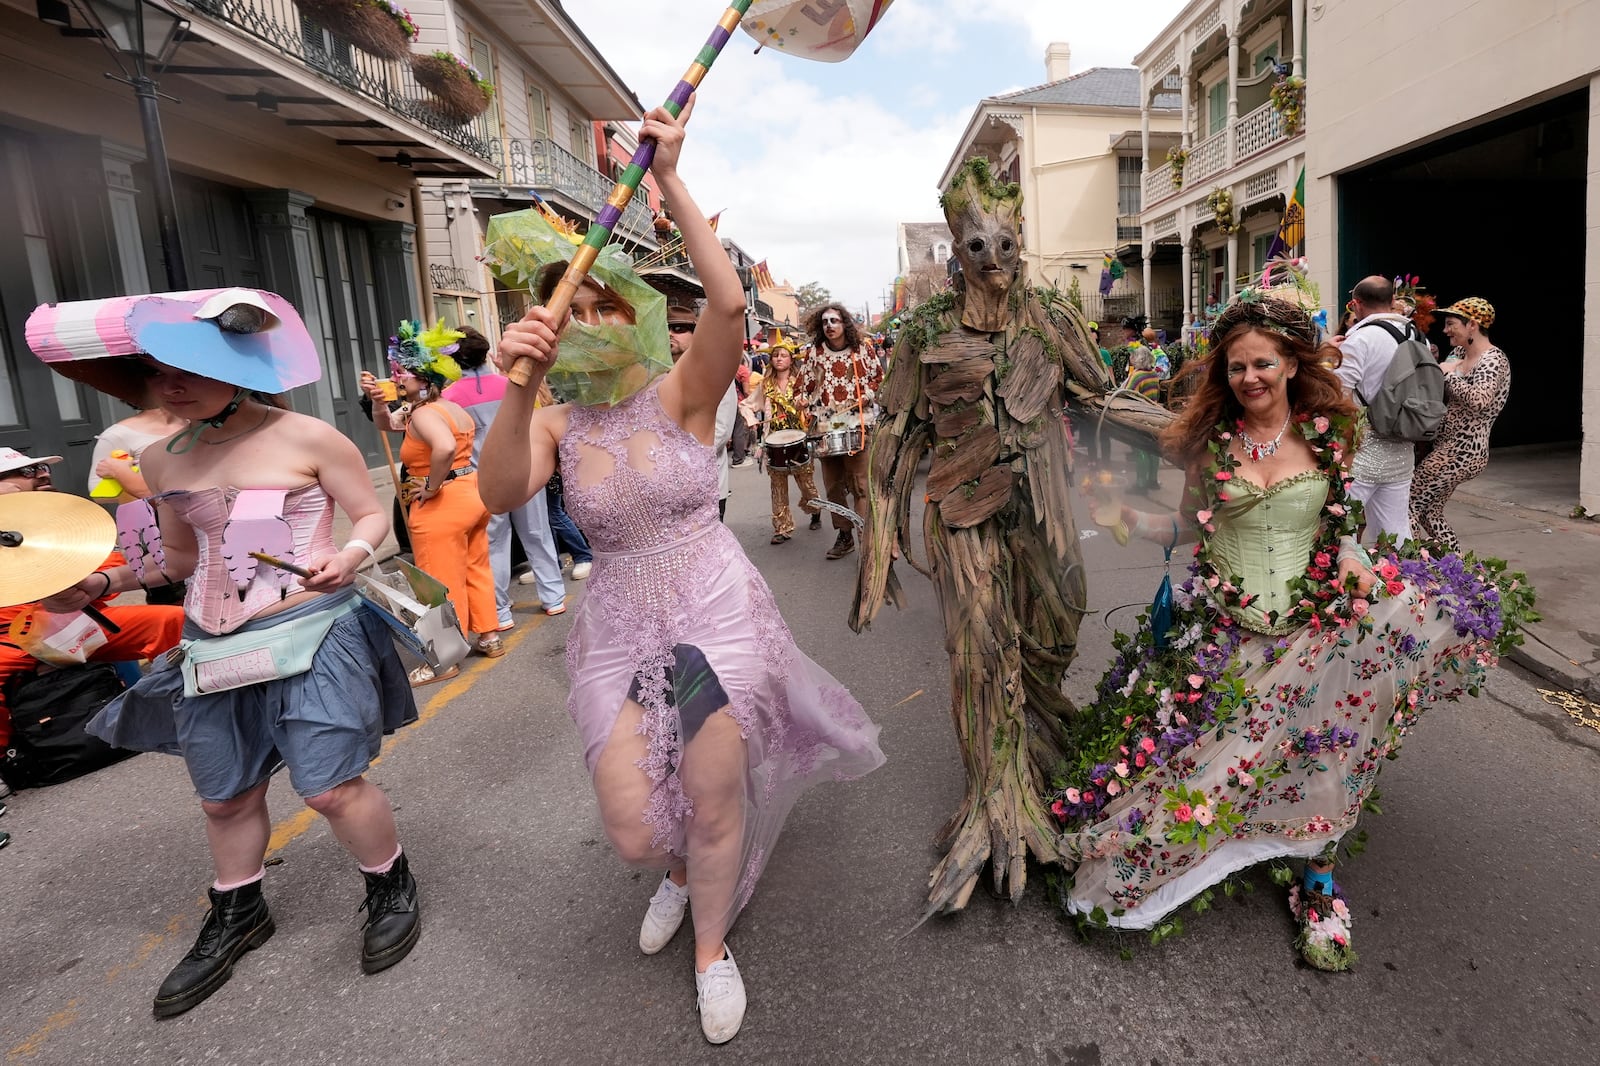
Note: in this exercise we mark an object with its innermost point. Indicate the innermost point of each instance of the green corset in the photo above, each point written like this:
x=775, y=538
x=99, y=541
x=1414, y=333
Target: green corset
x=1264, y=539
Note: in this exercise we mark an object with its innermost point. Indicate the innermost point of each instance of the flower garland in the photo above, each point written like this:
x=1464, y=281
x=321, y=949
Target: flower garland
x=1289, y=100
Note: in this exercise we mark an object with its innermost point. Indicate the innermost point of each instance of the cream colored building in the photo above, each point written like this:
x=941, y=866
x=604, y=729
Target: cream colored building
x=552, y=86
x=1220, y=58
x=1074, y=145
x=1460, y=141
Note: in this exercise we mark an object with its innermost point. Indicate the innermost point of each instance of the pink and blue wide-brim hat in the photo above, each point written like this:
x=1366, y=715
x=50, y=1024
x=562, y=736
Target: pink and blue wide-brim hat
x=245, y=337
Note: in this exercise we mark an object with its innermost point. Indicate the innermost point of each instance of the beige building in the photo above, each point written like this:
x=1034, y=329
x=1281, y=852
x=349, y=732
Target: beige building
x=1220, y=57
x=1460, y=141
x=923, y=251
x=1075, y=146
x=552, y=86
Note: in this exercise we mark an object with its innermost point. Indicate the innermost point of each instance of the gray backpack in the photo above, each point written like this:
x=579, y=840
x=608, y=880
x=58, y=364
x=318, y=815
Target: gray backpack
x=1410, y=405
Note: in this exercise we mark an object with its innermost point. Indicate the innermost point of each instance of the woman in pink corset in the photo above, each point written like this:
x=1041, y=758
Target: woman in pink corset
x=276, y=669
x=697, y=747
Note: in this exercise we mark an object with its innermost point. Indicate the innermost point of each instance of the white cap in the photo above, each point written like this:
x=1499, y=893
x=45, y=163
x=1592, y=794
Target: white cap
x=11, y=459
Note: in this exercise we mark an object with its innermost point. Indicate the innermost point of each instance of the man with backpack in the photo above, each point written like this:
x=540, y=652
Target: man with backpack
x=1388, y=368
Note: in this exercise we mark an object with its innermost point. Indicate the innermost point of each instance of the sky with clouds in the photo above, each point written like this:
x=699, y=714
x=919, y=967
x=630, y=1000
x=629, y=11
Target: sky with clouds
x=814, y=164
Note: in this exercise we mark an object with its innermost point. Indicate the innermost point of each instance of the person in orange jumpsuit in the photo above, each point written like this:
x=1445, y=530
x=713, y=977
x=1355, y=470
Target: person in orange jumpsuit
x=448, y=521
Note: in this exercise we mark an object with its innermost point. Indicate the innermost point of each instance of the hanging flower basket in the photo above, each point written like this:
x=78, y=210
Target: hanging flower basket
x=1289, y=100
x=460, y=93
x=378, y=27
x=1178, y=157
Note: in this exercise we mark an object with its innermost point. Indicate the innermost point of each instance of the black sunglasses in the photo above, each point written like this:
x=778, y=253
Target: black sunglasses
x=680, y=327
x=33, y=470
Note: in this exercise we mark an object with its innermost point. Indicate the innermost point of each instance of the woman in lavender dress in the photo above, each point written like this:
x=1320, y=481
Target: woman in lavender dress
x=698, y=748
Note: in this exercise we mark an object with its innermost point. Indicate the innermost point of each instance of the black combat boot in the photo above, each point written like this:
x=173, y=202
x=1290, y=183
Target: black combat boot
x=238, y=922
x=394, y=917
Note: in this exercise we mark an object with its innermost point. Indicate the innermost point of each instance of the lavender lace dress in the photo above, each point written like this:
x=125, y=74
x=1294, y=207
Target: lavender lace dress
x=667, y=573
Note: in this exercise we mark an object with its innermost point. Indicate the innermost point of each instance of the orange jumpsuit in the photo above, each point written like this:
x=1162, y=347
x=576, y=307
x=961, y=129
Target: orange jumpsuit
x=146, y=631
x=450, y=531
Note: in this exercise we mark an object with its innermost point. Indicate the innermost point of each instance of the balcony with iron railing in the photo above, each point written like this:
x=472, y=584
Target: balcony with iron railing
x=280, y=26
x=1254, y=133
x=546, y=167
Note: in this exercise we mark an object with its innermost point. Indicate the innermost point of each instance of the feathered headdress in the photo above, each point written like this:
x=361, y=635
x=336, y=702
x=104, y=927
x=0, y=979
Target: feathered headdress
x=1420, y=302
x=426, y=353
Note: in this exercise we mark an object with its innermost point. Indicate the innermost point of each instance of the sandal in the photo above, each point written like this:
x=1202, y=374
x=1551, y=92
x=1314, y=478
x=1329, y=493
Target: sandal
x=1324, y=917
x=490, y=646
x=424, y=675
x=779, y=538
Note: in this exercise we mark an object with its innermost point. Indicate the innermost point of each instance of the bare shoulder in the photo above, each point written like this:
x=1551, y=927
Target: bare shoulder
x=552, y=420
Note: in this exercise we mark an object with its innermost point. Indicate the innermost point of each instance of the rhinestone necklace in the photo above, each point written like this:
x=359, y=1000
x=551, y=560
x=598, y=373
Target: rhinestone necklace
x=1260, y=450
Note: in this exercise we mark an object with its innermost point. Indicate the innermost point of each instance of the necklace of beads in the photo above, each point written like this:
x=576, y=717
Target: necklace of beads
x=1260, y=450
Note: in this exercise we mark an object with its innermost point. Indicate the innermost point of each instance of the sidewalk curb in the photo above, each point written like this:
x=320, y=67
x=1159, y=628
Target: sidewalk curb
x=1563, y=674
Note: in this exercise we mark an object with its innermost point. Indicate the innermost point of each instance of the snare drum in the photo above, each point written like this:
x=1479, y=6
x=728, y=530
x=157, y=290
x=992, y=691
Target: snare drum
x=840, y=441
x=787, y=449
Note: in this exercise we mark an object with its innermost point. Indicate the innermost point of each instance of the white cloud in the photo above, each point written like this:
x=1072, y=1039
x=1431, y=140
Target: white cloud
x=814, y=178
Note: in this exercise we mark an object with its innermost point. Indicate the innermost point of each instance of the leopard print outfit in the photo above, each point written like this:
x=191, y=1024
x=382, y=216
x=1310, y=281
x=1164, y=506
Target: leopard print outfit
x=1461, y=450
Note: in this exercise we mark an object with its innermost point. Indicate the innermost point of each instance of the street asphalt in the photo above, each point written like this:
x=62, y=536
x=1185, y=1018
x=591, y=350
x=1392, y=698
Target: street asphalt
x=1475, y=899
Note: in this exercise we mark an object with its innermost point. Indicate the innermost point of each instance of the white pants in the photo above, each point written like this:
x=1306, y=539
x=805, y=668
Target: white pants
x=1388, y=508
x=532, y=523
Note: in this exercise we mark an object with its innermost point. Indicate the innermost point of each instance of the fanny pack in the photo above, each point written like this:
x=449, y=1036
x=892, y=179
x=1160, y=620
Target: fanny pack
x=218, y=664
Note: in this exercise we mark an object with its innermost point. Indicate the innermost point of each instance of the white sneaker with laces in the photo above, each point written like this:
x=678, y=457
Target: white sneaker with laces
x=581, y=570
x=722, y=1001
x=665, y=915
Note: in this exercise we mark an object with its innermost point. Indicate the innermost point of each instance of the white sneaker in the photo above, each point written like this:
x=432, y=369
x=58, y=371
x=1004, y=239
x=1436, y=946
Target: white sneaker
x=722, y=1002
x=581, y=570
x=665, y=915
x=526, y=578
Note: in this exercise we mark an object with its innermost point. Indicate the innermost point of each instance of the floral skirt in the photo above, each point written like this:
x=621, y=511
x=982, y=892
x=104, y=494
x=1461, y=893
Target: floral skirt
x=1266, y=749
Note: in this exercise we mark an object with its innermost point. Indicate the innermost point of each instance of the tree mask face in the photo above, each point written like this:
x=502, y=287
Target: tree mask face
x=984, y=218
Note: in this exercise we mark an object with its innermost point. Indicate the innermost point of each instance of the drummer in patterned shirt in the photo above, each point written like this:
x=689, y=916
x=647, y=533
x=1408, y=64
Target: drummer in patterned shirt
x=840, y=379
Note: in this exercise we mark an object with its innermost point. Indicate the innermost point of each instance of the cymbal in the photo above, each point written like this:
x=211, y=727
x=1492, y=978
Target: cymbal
x=50, y=541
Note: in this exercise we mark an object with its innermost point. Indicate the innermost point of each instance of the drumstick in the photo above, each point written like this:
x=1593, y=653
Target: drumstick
x=273, y=560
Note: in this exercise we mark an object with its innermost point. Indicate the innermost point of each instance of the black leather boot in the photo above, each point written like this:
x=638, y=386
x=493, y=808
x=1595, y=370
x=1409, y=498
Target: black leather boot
x=239, y=922
x=394, y=917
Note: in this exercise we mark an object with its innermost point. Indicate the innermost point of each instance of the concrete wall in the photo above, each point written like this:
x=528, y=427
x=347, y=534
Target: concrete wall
x=1385, y=75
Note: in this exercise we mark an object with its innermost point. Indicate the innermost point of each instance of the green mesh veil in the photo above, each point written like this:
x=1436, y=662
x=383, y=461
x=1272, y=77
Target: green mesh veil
x=594, y=364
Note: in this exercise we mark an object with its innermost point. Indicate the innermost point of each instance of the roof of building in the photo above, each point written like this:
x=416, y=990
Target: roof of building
x=1095, y=87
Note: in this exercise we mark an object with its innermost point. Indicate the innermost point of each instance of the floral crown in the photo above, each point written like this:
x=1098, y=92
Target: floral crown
x=1274, y=310
x=426, y=354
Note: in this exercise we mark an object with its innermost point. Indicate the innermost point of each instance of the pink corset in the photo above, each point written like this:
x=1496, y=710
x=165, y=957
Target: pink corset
x=229, y=587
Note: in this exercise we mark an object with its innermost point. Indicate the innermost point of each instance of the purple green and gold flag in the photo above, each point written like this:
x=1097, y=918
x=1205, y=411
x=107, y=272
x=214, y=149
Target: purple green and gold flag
x=826, y=30
x=1292, y=230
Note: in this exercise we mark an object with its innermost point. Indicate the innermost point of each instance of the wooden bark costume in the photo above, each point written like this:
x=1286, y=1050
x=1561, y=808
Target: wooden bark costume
x=983, y=376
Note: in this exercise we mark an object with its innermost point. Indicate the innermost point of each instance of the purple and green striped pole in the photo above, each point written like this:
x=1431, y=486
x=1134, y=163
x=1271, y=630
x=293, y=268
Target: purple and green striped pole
x=605, y=223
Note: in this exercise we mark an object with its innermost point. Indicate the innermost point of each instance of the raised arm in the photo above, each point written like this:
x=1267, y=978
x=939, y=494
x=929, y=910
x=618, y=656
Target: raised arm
x=702, y=376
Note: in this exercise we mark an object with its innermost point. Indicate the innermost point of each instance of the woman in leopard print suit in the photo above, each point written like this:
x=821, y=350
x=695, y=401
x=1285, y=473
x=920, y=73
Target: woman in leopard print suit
x=1477, y=382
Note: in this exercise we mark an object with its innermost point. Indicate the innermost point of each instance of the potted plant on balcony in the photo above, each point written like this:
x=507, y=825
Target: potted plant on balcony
x=1289, y=100
x=380, y=27
x=1220, y=201
x=1178, y=156
x=460, y=93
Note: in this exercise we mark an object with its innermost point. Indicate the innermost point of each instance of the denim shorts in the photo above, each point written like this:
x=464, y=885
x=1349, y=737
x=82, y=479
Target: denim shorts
x=326, y=725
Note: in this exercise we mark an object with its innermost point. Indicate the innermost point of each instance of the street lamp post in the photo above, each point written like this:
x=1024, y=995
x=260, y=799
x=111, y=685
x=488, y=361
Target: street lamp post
x=126, y=28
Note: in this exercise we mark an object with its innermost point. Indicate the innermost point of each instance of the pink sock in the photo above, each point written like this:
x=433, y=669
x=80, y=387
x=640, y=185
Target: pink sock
x=383, y=867
x=252, y=879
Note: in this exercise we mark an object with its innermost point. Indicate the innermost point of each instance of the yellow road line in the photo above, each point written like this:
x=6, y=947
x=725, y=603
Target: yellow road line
x=284, y=833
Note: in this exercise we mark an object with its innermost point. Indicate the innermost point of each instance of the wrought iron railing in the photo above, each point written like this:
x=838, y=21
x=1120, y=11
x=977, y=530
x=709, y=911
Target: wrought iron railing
x=545, y=166
x=279, y=25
